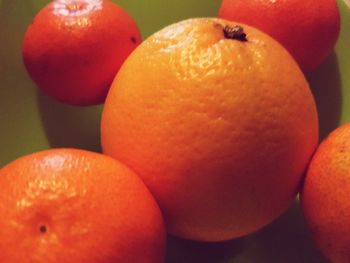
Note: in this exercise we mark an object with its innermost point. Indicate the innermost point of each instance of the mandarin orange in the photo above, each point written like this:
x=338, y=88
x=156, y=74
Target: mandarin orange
x=325, y=196
x=308, y=29
x=218, y=120
x=73, y=48
x=75, y=206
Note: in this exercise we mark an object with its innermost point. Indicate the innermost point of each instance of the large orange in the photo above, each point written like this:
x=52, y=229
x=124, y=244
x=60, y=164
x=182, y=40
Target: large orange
x=73, y=48
x=74, y=206
x=220, y=126
x=325, y=197
x=308, y=29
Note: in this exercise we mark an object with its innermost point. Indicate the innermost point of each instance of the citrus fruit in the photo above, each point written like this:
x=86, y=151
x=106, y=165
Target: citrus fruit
x=308, y=29
x=325, y=196
x=73, y=48
x=218, y=120
x=75, y=206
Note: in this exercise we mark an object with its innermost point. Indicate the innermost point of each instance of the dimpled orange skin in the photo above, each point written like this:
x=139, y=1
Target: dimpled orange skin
x=308, y=29
x=220, y=130
x=325, y=196
x=74, y=206
x=73, y=49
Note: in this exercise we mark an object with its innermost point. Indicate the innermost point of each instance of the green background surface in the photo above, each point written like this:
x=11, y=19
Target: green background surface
x=30, y=121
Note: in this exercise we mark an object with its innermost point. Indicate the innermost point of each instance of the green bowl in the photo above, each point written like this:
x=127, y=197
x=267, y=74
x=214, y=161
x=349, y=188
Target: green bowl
x=30, y=121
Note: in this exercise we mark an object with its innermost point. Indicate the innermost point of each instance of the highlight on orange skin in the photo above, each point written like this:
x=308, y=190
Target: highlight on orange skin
x=76, y=8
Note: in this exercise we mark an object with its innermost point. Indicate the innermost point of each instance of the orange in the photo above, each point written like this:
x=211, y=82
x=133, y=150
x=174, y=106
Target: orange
x=218, y=120
x=73, y=48
x=325, y=196
x=308, y=29
x=75, y=206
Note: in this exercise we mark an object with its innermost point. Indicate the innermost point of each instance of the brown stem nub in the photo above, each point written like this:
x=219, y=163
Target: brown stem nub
x=235, y=32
